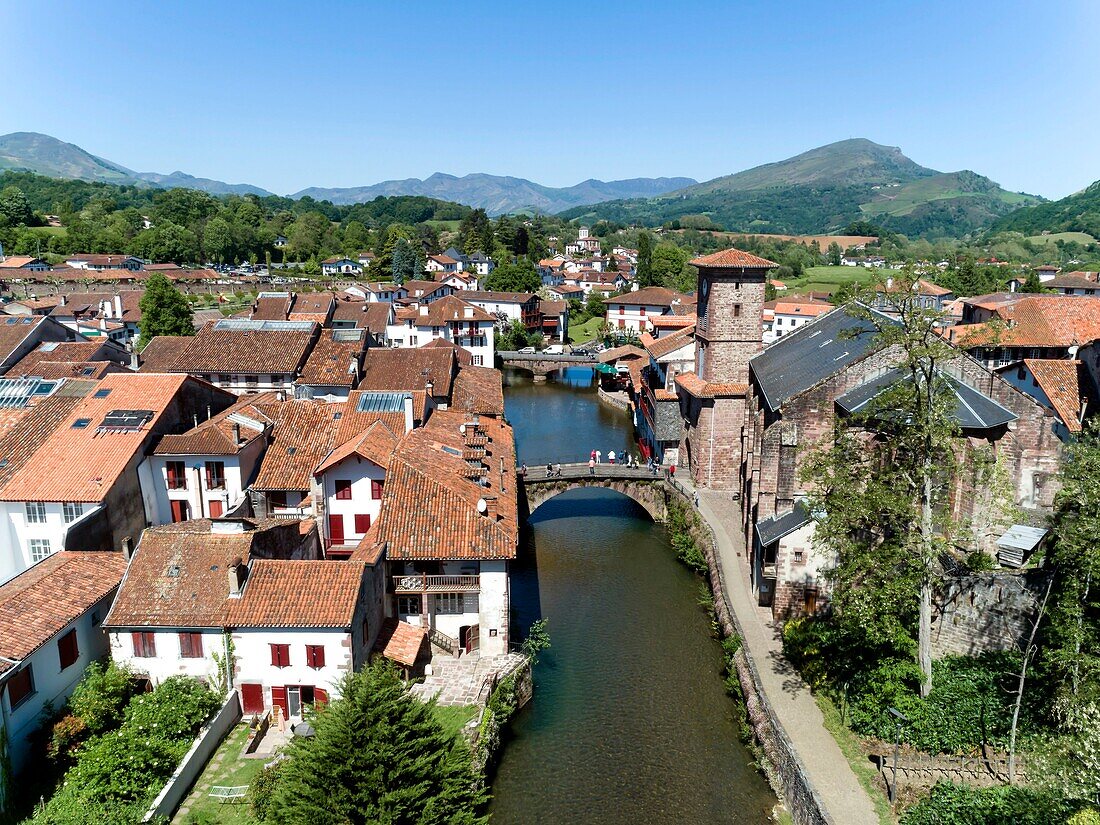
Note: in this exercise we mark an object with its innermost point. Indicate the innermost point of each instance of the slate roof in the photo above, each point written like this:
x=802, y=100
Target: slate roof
x=772, y=529
x=972, y=409
x=42, y=600
x=733, y=258
x=812, y=353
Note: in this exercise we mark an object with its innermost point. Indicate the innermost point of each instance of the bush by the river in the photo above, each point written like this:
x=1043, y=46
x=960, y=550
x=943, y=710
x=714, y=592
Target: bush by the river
x=949, y=804
x=683, y=542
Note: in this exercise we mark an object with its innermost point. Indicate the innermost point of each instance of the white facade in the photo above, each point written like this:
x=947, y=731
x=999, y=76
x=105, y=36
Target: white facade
x=476, y=337
x=240, y=383
x=632, y=317
x=342, y=266
x=52, y=684
x=350, y=517
x=199, y=490
x=32, y=530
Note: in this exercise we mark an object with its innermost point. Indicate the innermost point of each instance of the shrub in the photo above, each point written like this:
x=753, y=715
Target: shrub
x=124, y=766
x=949, y=804
x=679, y=532
x=260, y=791
x=101, y=696
x=176, y=710
x=67, y=735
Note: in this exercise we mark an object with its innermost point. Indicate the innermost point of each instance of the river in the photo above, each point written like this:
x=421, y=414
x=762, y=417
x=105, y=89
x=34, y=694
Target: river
x=630, y=722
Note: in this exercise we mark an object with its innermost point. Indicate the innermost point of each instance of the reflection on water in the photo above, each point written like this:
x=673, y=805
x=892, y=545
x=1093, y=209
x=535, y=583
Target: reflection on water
x=630, y=722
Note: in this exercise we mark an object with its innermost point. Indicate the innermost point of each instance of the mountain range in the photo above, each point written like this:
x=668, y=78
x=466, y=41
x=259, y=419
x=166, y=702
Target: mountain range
x=45, y=155
x=820, y=191
x=824, y=190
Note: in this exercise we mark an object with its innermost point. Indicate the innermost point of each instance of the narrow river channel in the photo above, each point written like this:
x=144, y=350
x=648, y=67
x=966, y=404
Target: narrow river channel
x=630, y=721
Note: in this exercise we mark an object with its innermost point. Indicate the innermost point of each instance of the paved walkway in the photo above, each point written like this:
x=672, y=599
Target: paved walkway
x=846, y=802
x=460, y=681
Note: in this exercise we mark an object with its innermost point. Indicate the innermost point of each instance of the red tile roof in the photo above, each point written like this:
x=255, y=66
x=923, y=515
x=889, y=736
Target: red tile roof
x=161, y=352
x=733, y=258
x=216, y=436
x=409, y=369
x=693, y=385
x=41, y=601
x=1036, y=321
x=479, y=390
x=660, y=347
x=280, y=593
x=649, y=296
x=229, y=346
x=333, y=356
x=375, y=445
x=303, y=434
x=1060, y=382
x=402, y=642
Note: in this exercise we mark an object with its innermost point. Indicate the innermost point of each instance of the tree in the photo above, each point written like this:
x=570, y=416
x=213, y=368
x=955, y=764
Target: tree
x=15, y=209
x=1032, y=283
x=217, y=239
x=164, y=310
x=645, y=260
x=378, y=755
x=669, y=264
x=518, y=277
x=834, y=254
x=910, y=429
x=406, y=264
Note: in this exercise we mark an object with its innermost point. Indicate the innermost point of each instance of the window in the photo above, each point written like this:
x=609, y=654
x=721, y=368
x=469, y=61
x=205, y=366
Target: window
x=412, y=341
x=190, y=645
x=145, y=645
x=478, y=360
x=176, y=473
x=181, y=511
x=68, y=651
x=449, y=603
x=277, y=499
x=315, y=656
x=362, y=523
x=72, y=510
x=280, y=655
x=20, y=686
x=40, y=548
x=216, y=508
x=736, y=310
x=252, y=380
x=343, y=489
x=101, y=393
x=215, y=475
x=376, y=489
x=81, y=423
x=622, y=310
x=408, y=605
x=36, y=512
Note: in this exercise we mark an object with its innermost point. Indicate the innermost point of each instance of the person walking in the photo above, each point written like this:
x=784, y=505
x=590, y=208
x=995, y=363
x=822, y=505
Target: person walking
x=610, y=456
x=593, y=456
x=557, y=470
x=523, y=471
x=695, y=500
x=549, y=470
x=599, y=457
x=672, y=472
x=592, y=466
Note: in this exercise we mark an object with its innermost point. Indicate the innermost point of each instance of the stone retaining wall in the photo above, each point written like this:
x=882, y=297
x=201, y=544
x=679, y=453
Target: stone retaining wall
x=612, y=400
x=781, y=764
x=981, y=612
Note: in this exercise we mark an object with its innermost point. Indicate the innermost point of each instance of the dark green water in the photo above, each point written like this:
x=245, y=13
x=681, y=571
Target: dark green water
x=630, y=721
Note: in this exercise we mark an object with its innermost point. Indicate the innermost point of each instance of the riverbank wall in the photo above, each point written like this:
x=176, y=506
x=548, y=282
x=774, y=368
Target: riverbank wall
x=617, y=400
x=779, y=761
x=513, y=689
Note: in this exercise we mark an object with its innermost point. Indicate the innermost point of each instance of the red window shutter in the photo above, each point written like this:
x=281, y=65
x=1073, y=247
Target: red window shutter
x=362, y=523
x=376, y=489
x=170, y=467
x=336, y=528
x=252, y=698
x=315, y=656
x=67, y=649
x=278, y=699
x=179, y=511
x=276, y=659
x=145, y=646
x=216, y=508
x=20, y=686
x=320, y=697
x=343, y=489
x=209, y=476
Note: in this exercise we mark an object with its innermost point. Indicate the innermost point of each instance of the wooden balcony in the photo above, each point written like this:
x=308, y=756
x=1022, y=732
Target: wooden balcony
x=416, y=583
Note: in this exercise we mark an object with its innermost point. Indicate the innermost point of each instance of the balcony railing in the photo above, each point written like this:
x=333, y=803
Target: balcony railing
x=291, y=513
x=417, y=583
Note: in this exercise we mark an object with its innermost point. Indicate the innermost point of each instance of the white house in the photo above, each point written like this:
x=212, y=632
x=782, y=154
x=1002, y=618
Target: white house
x=632, y=312
x=464, y=324
x=50, y=630
x=351, y=479
x=586, y=243
x=340, y=265
x=507, y=307
x=784, y=315
x=101, y=262
x=441, y=263
x=254, y=592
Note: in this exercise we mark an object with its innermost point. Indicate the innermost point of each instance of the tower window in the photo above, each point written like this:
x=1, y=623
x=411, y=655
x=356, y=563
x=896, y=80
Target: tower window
x=736, y=310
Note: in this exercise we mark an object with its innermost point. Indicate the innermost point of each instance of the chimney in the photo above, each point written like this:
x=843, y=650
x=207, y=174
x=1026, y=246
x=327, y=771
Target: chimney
x=63, y=300
x=423, y=310
x=208, y=413
x=429, y=387
x=491, y=511
x=127, y=548
x=408, y=413
x=236, y=577
x=135, y=359
x=236, y=435
x=118, y=307
x=468, y=312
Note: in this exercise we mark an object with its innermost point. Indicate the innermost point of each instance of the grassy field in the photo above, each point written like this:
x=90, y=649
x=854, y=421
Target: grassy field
x=454, y=717
x=586, y=331
x=852, y=749
x=829, y=278
x=1078, y=237
x=228, y=770
x=444, y=226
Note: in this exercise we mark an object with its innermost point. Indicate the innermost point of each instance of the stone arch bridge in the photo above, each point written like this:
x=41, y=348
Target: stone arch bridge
x=651, y=492
x=541, y=365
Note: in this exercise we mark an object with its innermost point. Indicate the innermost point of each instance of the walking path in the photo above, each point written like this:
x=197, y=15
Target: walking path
x=845, y=800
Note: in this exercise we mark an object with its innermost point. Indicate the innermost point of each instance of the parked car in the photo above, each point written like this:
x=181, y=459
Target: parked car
x=580, y=351
x=527, y=351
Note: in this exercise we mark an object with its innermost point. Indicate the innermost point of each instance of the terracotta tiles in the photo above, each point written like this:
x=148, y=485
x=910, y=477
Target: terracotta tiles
x=402, y=642
x=733, y=258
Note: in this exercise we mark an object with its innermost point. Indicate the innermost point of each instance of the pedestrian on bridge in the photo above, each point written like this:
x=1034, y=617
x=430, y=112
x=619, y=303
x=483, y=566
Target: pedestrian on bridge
x=557, y=470
x=592, y=466
x=610, y=456
x=593, y=456
x=549, y=470
x=599, y=457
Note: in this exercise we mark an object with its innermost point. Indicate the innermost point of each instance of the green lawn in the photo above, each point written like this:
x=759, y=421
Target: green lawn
x=454, y=717
x=828, y=278
x=1079, y=237
x=229, y=771
x=444, y=226
x=850, y=746
x=586, y=331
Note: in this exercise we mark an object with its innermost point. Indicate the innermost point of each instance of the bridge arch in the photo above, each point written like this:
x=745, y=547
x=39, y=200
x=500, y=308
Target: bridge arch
x=649, y=493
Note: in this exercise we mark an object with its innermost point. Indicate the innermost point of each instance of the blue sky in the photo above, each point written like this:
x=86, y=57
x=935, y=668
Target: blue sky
x=286, y=95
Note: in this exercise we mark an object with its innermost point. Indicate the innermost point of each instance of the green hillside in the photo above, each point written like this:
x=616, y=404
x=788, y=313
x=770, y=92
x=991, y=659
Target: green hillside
x=824, y=190
x=1079, y=212
x=32, y=152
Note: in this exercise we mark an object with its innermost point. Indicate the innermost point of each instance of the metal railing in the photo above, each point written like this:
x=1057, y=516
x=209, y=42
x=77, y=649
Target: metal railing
x=509, y=355
x=417, y=583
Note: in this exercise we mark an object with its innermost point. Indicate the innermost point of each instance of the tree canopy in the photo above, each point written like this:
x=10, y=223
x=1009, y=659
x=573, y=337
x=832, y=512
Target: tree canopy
x=164, y=310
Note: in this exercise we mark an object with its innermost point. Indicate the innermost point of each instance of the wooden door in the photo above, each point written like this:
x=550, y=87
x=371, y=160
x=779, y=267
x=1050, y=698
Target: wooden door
x=215, y=508
x=335, y=528
x=473, y=640
x=252, y=698
x=278, y=699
